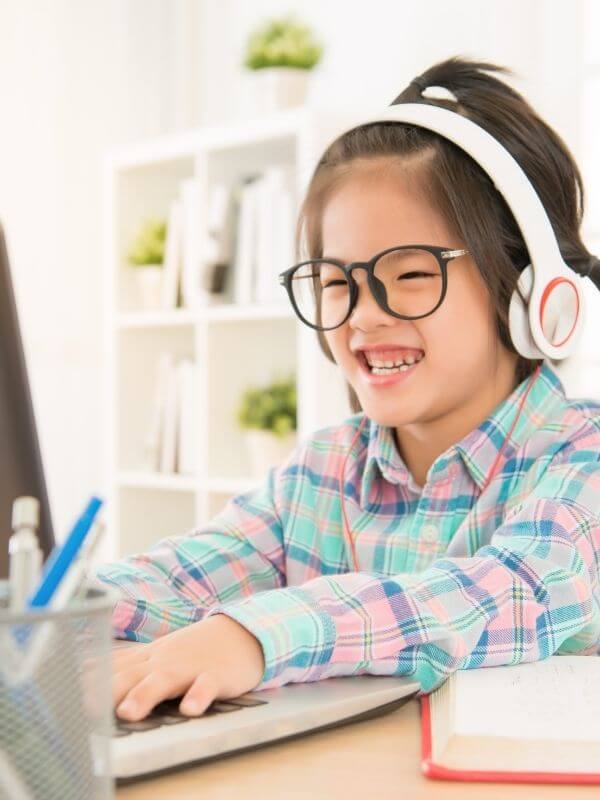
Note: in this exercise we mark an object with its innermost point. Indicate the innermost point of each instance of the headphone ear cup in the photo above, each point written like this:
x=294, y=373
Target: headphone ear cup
x=518, y=317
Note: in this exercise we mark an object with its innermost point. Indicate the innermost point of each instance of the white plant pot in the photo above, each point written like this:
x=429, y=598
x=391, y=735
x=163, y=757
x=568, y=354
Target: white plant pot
x=149, y=280
x=265, y=450
x=274, y=88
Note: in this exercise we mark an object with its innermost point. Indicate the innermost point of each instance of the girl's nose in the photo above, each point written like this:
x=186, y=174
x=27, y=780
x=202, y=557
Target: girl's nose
x=367, y=312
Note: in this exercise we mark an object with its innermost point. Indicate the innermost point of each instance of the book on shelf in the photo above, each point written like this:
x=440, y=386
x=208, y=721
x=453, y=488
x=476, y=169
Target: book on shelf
x=170, y=445
x=218, y=243
x=172, y=259
x=264, y=230
x=187, y=408
x=245, y=243
x=193, y=291
x=153, y=443
x=274, y=246
x=536, y=722
x=231, y=245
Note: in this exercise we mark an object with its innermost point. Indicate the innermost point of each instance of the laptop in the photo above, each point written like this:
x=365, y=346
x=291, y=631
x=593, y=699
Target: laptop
x=166, y=739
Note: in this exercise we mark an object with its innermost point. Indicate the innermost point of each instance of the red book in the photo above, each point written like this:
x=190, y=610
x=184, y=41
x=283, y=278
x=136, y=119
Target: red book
x=535, y=722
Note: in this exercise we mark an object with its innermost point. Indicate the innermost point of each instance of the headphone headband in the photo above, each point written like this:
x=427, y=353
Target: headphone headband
x=549, y=268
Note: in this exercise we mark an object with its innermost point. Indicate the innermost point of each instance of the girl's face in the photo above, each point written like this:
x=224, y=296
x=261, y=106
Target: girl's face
x=460, y=378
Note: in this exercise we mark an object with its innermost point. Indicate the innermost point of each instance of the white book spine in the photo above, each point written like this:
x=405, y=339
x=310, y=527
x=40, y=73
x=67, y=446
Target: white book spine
x=275, y=236
x=245, y=249
x=192, y=245
x=265, y=230
x=153, y=444
x=168, y=460
x=186, y=463
x=172, y=262
x=217, y=246
x=285, y=254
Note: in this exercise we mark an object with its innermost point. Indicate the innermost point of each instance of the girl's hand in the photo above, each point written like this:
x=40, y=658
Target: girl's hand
x=213, y=659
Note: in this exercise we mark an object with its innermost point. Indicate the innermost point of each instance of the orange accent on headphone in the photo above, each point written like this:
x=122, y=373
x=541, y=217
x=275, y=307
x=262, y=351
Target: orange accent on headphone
x=349, y=541
x=547, y=291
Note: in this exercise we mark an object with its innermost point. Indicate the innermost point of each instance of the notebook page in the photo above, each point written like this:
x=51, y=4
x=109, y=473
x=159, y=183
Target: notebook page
x=557, y=698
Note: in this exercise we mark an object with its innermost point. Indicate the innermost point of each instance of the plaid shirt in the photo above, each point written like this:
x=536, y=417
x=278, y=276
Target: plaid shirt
x=451, y=577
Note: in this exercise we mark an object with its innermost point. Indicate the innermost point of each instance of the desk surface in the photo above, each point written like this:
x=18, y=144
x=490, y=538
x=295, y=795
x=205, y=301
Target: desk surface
x=374, y=758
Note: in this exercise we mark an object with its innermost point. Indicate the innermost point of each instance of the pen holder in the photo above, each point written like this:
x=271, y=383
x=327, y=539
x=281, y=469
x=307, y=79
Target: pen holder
x=55, y=700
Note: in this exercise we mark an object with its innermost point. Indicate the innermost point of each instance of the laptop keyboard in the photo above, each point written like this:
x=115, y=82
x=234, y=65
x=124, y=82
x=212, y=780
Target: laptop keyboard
x=168, y=713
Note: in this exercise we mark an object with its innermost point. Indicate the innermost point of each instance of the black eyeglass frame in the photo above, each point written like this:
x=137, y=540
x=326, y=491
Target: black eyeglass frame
x=442, y=254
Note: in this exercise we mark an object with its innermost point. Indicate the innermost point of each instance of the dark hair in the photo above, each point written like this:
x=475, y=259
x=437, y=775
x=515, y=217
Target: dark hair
x=459, y=188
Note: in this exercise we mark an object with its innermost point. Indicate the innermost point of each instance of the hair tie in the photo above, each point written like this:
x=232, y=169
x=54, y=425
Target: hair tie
x=433, y=92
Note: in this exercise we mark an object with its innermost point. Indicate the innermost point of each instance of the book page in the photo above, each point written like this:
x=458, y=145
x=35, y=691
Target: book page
x=557, y=698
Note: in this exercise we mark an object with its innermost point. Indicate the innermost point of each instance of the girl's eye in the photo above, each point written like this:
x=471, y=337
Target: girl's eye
x=333, y=283
x=417, y=274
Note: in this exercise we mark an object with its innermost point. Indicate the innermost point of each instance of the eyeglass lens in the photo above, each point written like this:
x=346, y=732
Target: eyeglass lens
x=411, y=280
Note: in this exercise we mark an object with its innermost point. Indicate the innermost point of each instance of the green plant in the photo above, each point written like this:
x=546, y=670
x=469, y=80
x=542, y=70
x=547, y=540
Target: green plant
x=149, y=244
x=271, y=408
x=283, y=42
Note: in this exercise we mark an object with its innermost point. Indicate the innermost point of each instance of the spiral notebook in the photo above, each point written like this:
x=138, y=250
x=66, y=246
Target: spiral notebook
x=535, y=722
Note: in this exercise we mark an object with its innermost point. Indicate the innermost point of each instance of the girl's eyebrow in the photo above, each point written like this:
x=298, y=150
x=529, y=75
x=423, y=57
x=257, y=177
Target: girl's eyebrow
x=349, y=260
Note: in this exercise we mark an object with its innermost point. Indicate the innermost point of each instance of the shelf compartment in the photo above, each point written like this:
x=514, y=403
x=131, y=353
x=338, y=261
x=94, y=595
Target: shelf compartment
x=240, y=356
x=144, y=516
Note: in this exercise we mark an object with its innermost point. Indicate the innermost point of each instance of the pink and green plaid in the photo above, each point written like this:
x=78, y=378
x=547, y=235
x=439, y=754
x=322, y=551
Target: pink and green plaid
x=451, y=577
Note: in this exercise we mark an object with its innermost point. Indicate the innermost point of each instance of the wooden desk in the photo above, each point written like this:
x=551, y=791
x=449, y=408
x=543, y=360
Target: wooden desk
x=378, y=758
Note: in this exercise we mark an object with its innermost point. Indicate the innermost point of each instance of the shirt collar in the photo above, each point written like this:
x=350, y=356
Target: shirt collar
x=479, y=448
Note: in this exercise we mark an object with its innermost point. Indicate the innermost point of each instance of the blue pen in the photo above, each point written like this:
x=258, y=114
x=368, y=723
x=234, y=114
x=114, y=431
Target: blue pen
x=62, y=557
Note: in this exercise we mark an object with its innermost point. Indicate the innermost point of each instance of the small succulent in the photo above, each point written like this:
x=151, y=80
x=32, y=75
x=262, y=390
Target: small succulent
x=149, y=244
x=283, y=42
x=271, y=408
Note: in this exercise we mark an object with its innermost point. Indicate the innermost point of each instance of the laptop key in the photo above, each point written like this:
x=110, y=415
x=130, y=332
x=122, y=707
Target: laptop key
x=245, y=702
x=222, y=708
x=138, y=725
x=169, y=719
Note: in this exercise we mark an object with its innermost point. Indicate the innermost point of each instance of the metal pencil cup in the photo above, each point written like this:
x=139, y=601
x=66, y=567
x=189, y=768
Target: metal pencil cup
x=55, y=700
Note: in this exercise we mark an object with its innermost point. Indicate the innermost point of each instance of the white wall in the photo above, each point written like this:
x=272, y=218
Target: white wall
x=77, y=76
x=374, y=49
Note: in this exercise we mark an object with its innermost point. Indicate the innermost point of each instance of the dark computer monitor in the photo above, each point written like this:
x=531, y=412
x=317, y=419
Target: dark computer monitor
x=21, y=470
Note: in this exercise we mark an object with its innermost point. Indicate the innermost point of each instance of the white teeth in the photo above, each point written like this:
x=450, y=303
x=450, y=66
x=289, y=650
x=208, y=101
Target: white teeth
x=409, y=360
x=384, y=371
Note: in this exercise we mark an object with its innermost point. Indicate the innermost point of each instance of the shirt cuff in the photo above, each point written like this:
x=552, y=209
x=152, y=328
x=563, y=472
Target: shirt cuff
x=297, y=637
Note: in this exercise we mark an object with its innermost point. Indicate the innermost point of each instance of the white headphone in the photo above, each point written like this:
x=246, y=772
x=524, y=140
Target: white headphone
x=550, y=323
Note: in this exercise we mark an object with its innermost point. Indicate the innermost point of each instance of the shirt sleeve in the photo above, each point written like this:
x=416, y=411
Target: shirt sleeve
x=238, y=553
x=531, y=592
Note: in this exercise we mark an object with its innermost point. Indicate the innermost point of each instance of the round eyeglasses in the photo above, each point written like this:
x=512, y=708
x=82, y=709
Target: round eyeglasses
x=408, y=282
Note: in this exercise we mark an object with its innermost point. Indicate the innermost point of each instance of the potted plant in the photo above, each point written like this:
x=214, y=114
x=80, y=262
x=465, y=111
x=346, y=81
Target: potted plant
x=267, y=415
x=146, y=255
x=279, y=56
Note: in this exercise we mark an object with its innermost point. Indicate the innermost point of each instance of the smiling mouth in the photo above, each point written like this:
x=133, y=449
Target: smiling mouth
x=386, y=368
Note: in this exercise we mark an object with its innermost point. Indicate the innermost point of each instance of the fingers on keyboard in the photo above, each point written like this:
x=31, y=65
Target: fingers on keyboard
x=167, y=713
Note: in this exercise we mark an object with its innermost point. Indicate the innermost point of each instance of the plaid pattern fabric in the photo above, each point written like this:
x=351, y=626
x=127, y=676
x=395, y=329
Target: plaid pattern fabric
x=450, y=576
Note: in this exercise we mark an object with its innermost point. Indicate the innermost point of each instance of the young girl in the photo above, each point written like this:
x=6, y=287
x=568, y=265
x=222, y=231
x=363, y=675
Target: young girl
x=468, y=482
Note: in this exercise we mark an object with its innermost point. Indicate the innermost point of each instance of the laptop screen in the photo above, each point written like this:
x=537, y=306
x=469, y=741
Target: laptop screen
x=21, y=470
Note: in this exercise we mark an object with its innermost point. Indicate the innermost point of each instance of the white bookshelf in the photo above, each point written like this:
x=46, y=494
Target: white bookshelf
x=231, y=346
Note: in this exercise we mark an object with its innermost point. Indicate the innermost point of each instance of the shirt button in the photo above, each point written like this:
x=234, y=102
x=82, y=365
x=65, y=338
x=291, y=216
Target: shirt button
x=429, y=533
